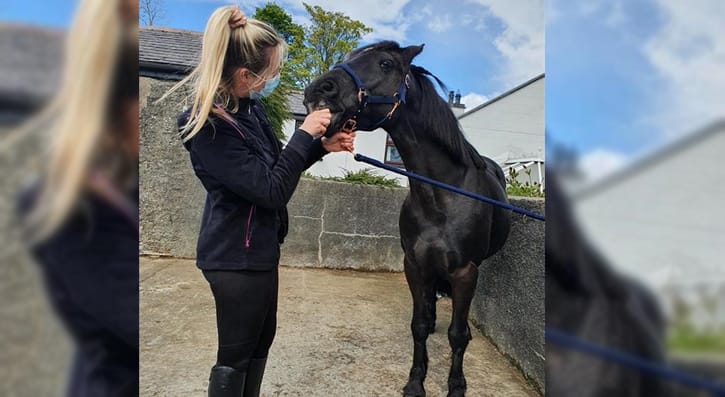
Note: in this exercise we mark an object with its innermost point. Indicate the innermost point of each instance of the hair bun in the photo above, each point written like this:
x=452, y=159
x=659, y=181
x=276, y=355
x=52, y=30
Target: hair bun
x=237, y=19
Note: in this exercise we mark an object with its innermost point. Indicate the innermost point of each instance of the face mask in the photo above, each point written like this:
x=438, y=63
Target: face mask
x=269, y=86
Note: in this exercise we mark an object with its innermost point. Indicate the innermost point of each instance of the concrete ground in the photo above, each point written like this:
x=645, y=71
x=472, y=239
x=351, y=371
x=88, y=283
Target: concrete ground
x=340, y=333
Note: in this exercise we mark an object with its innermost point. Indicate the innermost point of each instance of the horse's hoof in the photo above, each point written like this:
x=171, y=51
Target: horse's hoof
x=414, y=389
x=457, y=393
x=456, y=387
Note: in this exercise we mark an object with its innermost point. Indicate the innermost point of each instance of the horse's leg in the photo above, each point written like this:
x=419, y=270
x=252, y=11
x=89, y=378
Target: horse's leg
x=463, y=286
x=431, y=307
x=421, y=287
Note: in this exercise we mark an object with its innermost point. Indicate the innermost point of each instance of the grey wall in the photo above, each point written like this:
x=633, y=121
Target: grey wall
x=36, y=350
x=509, y=302
x=171, y=197
x=340, y=225
x=344, y=226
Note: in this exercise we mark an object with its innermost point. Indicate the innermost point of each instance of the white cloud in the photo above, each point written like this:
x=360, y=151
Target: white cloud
x=440, y=24
x=521, y=43
x=424, y=12
x=688, y=53
x=385, y=17
x=610, y=11
x=472, y=100
x=601, y=162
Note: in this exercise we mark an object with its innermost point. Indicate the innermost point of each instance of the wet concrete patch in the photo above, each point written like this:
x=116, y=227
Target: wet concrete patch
x=340, y=333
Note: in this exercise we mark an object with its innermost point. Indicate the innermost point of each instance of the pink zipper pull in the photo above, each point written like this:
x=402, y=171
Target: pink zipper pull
x=248, y=236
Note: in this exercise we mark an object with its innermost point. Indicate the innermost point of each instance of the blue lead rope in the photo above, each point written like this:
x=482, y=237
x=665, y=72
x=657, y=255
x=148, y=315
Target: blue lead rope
x=412, y=175
x=565, y=340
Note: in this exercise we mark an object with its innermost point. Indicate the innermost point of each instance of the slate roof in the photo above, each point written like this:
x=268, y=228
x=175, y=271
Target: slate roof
x=294, y=100
x=168, y=53
x=30, y=65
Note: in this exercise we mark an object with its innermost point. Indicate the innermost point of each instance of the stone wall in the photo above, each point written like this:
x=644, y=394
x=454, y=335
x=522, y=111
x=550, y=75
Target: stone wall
x=509, y=302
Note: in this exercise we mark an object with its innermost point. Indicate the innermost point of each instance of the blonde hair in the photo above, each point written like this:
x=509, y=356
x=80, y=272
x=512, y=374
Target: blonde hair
x=224, y=50
x=78, y=114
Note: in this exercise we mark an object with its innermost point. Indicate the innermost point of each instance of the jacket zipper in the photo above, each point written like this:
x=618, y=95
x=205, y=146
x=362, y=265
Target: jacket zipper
x=248, y=235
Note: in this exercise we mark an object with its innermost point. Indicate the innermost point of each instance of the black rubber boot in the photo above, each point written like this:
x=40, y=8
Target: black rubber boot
x=226, y=382
x=255, y=372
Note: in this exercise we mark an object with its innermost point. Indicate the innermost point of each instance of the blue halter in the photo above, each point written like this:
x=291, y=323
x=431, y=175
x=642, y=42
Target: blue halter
x=364, y=99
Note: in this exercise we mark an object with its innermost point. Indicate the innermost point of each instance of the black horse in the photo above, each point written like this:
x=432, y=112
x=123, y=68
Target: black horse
x=586, y=298
x=445, y=236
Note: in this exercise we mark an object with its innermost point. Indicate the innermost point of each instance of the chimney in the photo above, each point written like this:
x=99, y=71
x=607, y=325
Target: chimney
x=454, y=101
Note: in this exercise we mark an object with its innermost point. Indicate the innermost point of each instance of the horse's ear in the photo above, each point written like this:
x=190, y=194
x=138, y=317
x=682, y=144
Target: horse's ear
x=411, y=52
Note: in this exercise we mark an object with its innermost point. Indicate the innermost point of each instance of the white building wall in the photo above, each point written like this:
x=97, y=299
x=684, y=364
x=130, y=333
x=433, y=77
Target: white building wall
x=665, y=225
x=457, y=111
x=510, y=128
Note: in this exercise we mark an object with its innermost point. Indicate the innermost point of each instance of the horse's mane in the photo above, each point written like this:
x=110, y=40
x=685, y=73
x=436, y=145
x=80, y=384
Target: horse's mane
x=443, y=124
x=385, y=45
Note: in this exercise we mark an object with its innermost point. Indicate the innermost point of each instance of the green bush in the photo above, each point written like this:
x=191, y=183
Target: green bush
x=367, y=177
x=686, y=339
x=361, y=177
x=527, y=189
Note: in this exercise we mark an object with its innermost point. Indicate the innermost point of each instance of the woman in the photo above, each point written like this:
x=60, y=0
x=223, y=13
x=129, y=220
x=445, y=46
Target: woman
x=249, y=178
x=82, y=215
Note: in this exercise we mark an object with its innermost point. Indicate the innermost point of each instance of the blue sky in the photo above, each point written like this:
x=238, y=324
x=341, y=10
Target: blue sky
x=460, y=41
x=480, y=47
x=56, y=14
x=626, y=77
x=599, y=76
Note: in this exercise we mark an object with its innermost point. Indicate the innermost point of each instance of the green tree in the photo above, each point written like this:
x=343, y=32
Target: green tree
x=330, y=36
x=276, y=16
x=276, y=104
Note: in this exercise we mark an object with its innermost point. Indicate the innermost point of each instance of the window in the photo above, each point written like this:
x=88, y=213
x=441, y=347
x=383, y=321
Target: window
x=392, y=156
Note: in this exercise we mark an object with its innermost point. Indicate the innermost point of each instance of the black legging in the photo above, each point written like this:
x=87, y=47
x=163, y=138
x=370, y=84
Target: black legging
x=246, y=314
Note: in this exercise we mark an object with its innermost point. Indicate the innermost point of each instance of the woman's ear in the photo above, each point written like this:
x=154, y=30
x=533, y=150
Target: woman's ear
x=239, y=83
x=242, y=75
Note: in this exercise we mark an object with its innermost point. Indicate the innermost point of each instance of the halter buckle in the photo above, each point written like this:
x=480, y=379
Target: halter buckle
x=349, y=125
x=360, y=95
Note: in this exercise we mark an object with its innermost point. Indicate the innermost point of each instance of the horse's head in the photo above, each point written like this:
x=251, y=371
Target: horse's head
x=367, y=86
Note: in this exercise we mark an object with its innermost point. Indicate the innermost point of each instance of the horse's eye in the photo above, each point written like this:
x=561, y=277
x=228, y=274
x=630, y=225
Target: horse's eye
x=386, y=64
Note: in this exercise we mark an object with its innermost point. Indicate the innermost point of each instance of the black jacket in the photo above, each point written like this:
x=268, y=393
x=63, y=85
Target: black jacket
x=249, y=178
x=90, y=271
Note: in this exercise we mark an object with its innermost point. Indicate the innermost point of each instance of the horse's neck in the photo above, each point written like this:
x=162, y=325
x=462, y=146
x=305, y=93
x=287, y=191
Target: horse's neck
x=423, y=155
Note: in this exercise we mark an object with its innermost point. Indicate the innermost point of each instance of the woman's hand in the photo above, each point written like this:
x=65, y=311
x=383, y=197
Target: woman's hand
x=341, y=141
x=316, y=122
